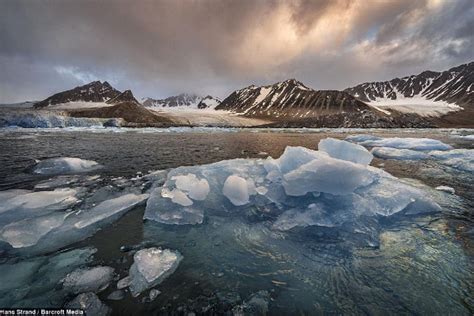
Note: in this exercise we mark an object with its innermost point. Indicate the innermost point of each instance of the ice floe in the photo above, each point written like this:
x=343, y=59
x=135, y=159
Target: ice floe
x=94, y=279
x=445, y=188
x=150, y=267
x=345, y=151
x=65, y=165
x=399, y=154
x=461, y=159
x=301, y=188
x=43, y=221
x=90, y=304
x=34, y=282
x=423, y=144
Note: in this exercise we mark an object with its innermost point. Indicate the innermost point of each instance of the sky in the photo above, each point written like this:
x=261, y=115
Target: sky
x=162, y=48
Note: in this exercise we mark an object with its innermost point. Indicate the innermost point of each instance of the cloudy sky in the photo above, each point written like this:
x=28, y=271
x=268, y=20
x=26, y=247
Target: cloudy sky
x=161, y=48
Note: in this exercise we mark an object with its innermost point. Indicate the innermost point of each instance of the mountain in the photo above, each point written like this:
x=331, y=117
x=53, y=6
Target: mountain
x=452, y=89
x=131, y=112
x=209, y=102
x=183, y=99
x=291, y=99
x=95, y=91
x=126, y=96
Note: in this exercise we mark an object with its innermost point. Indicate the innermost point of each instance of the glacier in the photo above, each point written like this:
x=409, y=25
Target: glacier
x=48, y=120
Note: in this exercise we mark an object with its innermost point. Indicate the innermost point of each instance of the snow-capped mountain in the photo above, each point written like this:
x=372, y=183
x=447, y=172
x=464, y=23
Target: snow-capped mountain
x=291, y=99
x=441, y=92
x=95, y=91
x=209, y=102
x=183, y=100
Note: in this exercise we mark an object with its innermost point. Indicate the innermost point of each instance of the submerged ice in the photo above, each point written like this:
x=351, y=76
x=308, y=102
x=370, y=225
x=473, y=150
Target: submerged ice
x=423, y=144
x=65, y=165
x=48, y=220
x=418, y=149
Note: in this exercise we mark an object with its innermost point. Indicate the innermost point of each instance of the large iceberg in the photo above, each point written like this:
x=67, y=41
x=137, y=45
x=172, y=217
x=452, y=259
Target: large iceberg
x=150, y=267
x=301, y=188
x=65, y=165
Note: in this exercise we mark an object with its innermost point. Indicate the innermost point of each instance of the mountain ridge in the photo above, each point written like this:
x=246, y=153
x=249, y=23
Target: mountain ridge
x=291, y=98
x=95, y=91
x=183, y=100
x=455, y=86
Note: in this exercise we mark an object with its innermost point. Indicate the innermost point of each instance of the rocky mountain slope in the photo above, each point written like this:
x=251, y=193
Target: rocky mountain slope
x=126, y=96
x=131, y=112
x=183, y=100
x=454, y=86
x=291, y=99
x=95, y=91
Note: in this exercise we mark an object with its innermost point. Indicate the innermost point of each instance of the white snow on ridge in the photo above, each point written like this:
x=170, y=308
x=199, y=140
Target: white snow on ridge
x=415, y=104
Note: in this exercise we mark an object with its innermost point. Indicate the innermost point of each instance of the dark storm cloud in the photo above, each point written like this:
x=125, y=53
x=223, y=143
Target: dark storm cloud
x=158, y=48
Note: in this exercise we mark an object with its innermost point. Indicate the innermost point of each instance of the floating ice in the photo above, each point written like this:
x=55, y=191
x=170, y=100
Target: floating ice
x=294, y=157
x=65, y=165
x=328, y=175
x=39, y=233
x=108, y=208
x=313, y=215
x=257, y=304
x=116, y=295
x=94, y=279
x=28, y=232
x=150, y=267
x=34, y=282
x=236, y=190
x=423, y=144
x=17, y=205
x=301, y=188
x=163, y=209
x=445, y=188
x=90, y=304
x=154, y=294
x=197, y=189
x=177, y=196
x=399, y=154
x=462, y=159
x=345, y=151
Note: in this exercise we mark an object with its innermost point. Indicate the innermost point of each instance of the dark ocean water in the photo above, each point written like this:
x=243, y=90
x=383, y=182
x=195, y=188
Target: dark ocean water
x=423, y=266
